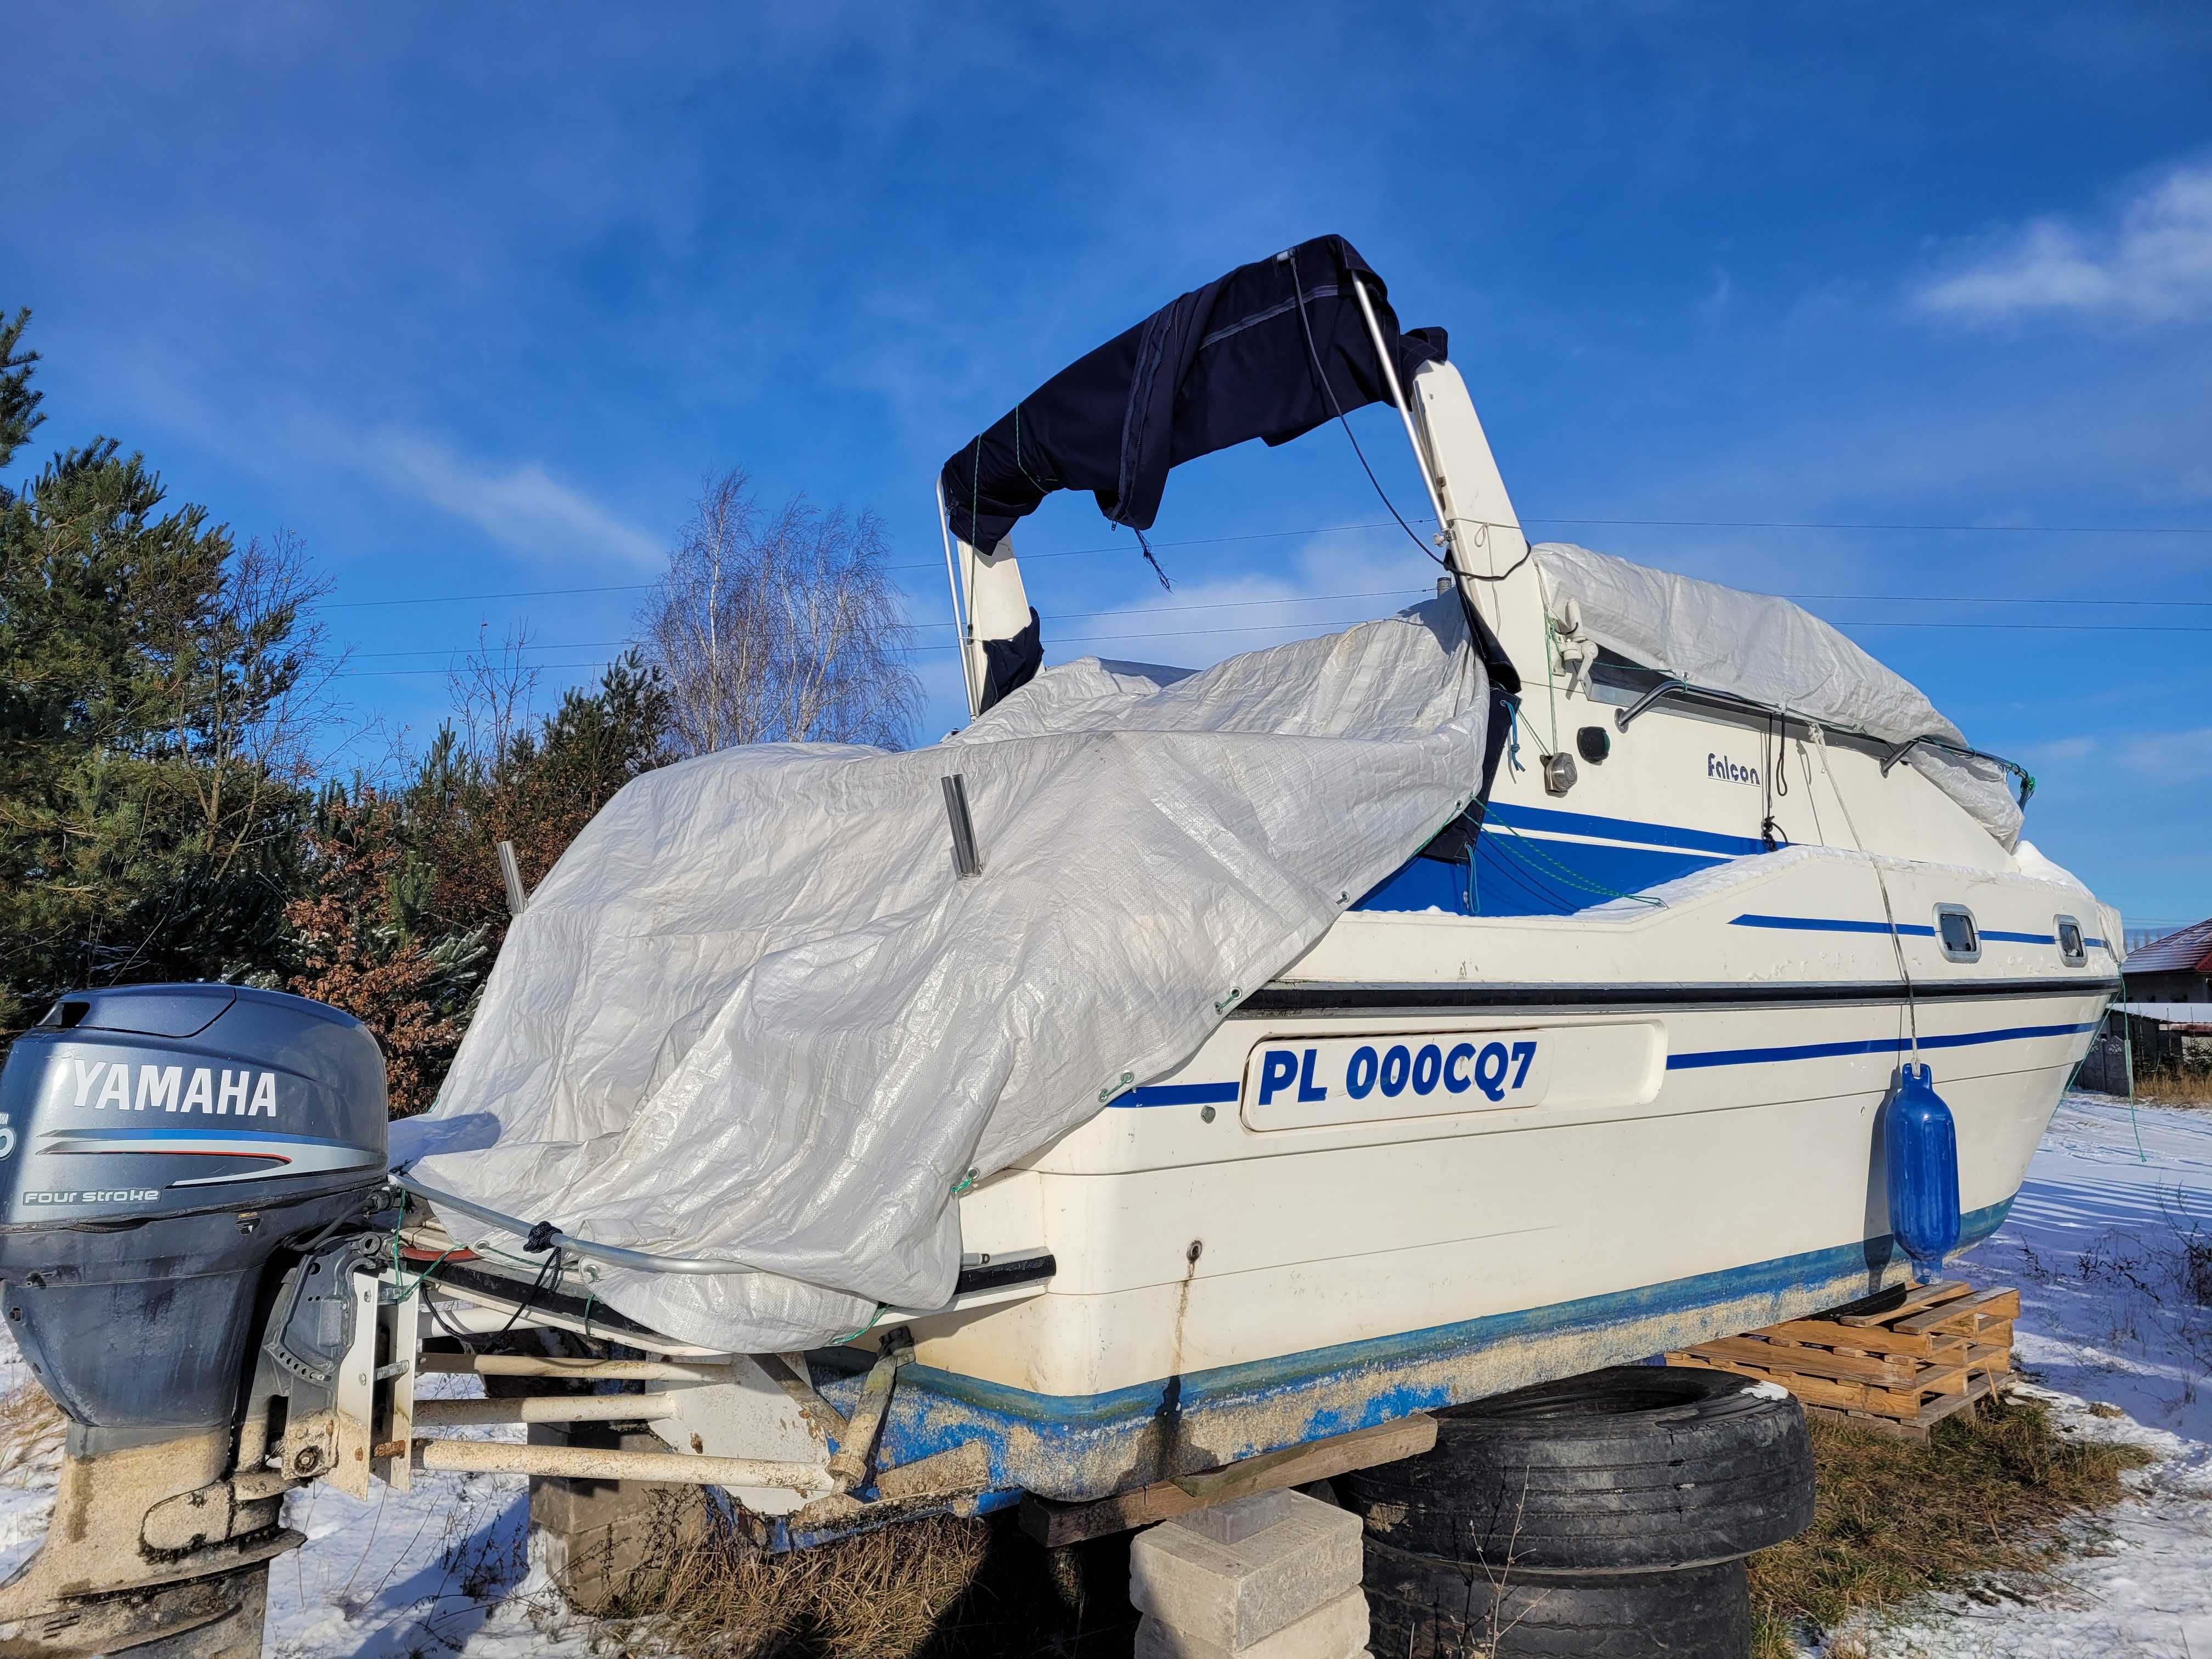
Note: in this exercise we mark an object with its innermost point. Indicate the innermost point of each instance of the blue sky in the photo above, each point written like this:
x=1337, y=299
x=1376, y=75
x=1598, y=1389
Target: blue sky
x=471, y=299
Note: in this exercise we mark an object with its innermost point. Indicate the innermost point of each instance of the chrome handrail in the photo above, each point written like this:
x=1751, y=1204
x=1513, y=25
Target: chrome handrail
x=552, y=1238
x=1931, y=741
x=1668, y=687
x=1900, y=753
x=1622, y=717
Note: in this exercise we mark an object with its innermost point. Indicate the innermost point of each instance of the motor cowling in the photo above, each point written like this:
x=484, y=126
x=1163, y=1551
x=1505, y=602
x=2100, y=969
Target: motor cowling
x=187, y=1174
x=160, y=1145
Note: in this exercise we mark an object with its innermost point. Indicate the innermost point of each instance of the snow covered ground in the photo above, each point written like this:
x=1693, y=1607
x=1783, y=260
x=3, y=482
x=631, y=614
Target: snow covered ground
x=2110, y=1243
x=442, y=1570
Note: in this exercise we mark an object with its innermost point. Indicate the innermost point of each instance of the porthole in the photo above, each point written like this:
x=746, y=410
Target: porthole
x=2070, y=947
x=1956, y=934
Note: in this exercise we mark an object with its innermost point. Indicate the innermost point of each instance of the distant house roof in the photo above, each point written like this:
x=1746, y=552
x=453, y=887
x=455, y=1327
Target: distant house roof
x=2189, y=951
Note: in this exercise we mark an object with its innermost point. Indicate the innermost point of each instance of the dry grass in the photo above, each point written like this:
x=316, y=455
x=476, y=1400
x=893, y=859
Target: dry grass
x=876, y=1597
x=934, y=1588
x=31, y=1431
x=1980, y=1506
x=2182, y=1088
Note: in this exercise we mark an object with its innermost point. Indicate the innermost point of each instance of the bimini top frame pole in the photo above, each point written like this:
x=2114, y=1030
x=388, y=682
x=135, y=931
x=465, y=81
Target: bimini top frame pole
x=1412, y=433
x=960, y=624
x=614, y=1255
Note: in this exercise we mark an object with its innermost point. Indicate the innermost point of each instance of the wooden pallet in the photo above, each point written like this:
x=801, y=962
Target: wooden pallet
x=1900, y=1366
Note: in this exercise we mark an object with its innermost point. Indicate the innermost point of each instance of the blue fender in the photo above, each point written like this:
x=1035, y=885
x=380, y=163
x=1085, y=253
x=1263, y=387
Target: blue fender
x=1920, y=1150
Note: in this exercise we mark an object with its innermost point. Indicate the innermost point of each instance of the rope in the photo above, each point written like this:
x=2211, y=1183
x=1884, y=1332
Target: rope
x=1532, y=737
x=1022, y=467
x=1774, y=778
x=862, y=1330
x=1298, y=293
x=1575, y=877
x=1881, y=884
x=408, y=1289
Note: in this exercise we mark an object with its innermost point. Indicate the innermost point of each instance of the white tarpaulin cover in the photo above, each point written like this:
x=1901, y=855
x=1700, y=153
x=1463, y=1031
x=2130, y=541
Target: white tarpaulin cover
x=752, y=1014
x=1772, y=652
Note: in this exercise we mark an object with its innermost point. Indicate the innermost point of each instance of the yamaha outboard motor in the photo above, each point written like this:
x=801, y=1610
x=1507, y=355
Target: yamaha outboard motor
x=188, y=1176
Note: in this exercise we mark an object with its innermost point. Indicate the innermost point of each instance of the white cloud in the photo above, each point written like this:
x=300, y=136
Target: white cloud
x=2154, y=264
x=1332, y=582
x=2061, y=751
x=522, y=508
x=2171, y=757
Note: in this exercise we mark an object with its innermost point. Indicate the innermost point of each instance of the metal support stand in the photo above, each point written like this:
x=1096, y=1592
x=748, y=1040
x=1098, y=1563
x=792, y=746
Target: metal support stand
x=849, y=1468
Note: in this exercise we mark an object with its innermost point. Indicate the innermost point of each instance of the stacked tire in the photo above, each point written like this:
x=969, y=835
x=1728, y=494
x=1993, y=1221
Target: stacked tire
x=1606, y=1516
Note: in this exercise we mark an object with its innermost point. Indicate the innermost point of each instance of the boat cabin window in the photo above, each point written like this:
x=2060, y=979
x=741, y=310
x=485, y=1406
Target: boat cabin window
x=1955, y=933
x=2069, y=942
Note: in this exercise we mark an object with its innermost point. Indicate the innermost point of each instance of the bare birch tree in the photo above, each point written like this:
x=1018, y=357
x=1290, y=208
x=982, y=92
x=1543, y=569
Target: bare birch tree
x=779, y=628
x=492, y=688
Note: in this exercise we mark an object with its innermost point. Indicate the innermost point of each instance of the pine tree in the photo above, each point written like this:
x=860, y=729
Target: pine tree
x=152, y=679
x=19, y=403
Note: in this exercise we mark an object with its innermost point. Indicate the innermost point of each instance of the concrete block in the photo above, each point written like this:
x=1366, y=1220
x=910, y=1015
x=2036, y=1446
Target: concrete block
x=598, y=1535
x=1232, y=1595
x=1336, y=1630
x=1238, y=1519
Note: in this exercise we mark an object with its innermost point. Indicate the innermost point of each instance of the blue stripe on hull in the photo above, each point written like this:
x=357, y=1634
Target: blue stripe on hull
x=1871, y=1046
x=1652, y=834
x=1225, y=1094
x=1830, y=924
x=1182, y=1094
x=1088, y=1445
x=1845, y=924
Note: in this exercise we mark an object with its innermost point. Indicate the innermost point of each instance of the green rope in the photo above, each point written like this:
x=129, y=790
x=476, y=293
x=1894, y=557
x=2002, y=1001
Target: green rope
x=1541, y=747
x=1575, y=877
x=408, y=1289
x=840, y=1341
x=1040, y=489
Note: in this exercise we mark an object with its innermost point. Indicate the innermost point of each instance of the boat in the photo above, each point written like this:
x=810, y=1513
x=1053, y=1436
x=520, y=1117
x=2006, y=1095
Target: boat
x=1600, y=1079
x=1600, y=1073
x=1602, y=1060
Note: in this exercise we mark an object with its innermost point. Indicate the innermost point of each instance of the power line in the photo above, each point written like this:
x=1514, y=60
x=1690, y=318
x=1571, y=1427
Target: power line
x=1260, y=628
x=1058, y=616
x=405, y=673
x=1385, y=524
x=464, y=599
x=1981, y=598
x=1809, y=524
x=1647, y=524
x=458, y=650
x=2051, y=627
x=1264, y=627
x=1401, y=592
